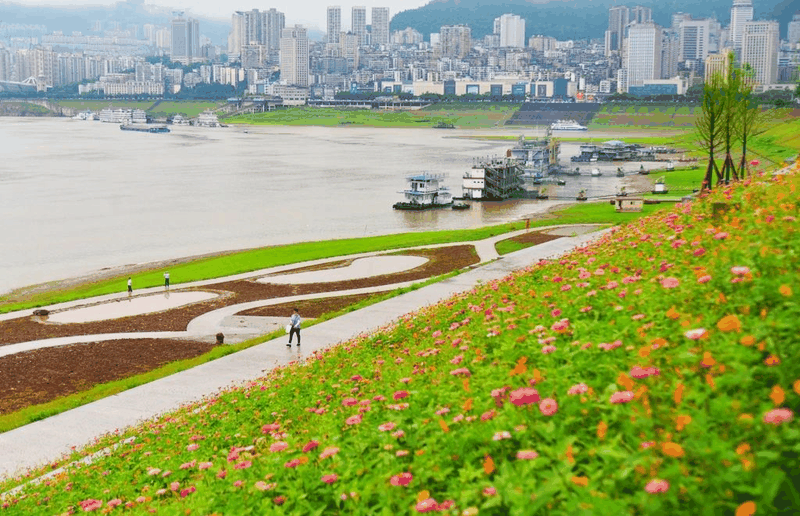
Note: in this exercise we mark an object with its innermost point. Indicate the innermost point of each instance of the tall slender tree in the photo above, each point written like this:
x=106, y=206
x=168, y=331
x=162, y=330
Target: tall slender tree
x=709, y=126
x=749, y=117
x=731, y=92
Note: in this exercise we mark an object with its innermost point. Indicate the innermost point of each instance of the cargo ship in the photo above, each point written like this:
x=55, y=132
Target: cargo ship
x=144, y=128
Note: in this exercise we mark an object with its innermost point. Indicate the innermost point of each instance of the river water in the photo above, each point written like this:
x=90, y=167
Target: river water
x=79, y=196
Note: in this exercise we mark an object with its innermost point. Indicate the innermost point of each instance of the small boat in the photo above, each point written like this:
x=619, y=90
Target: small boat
x=560, y=182
x=670, y=166
x=461, y=206
x=596, y=172
x=567, y=125
x=642, y=170
x=581, y=196
x=620, y=173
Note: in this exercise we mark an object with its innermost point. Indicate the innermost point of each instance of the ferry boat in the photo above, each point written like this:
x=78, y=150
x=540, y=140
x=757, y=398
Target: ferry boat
x=144, y=128
x=85, y=115
x=567, y=125
x=207, y=119
x=425, y=192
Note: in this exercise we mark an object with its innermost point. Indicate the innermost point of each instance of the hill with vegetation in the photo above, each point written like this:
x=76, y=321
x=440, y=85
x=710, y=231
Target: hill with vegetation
x=654, y=372
x=577, y=19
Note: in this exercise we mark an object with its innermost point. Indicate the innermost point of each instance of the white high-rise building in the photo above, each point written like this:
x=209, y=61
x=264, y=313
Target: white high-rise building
x=793, y=32
x=643, y=54
x=334, y=24
x=455, y=40
x=741, y=13
x=359, y=23
x=185, y=40
x=617, y=20
x=380, y=26
x=294, y=55
x=640, y=14
x=695, y=38
x=256, y=28
x=511, y=29
x=760, y=43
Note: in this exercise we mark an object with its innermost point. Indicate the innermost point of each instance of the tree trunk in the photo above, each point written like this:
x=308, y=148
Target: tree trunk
x=743, y=165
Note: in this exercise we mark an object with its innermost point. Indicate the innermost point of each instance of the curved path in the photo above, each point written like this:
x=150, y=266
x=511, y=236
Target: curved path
x=46, y=440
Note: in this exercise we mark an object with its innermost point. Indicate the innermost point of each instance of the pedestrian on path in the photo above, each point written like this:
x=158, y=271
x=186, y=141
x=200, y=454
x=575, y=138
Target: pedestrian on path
x=166, y=280
x=294, y=321
x=130, y=287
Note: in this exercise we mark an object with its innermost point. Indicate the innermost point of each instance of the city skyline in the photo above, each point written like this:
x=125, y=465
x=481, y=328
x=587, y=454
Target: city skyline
x=311, y=13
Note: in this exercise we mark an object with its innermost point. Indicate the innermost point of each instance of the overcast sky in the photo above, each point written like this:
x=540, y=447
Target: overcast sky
x=310, y=12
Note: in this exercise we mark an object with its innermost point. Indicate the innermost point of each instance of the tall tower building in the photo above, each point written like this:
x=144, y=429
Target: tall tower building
x=260, y=28
x=695, y=40
x=741, y=13
x=380, y=26
x=760, y=42
x=670, y=53
x=360, y=24
x=5, y=64
x=643, y=55
x=334, y=24
x=455, y=40
x=640, y=14
x=294, y=55
x=274, y=23
x=185, y=40
x=717, y=64
x=617, y=20
x=511, y=29
x=794, y=29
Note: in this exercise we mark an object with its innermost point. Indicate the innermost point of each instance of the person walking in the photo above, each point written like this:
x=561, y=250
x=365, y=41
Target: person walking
x=130, y=287
x=294, y=321
x=166, y=280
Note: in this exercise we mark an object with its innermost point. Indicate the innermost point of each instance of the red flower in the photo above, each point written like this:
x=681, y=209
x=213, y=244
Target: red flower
x=399, y=395
x=524, y=396
x=403, y=479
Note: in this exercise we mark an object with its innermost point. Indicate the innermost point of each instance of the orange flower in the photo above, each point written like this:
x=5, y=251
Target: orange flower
x=672, y=313
x=772, y=360
x=672, y=449
x=488, y=465
x=722, y=299
x=785, y=290
x=777, y=395
x=729, y=323
x=682, y=421
x=708, y=360
x=580, y=481
x=570, y=457
x=465, y=384
x=747, y=340
x=444, y=426
x=678, y=394
x=520, y=368
x=602, y=428
x=797, y=386
x=423, y=495
x=644, y=351
x=746, y=509
x=742, y=449
x=626, y=381
x=710, y=381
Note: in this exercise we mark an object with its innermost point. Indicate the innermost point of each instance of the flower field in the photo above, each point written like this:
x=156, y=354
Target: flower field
x=656, y=371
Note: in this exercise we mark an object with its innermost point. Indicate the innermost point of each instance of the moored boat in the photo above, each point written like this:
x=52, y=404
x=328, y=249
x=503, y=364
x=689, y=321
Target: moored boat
x=425, y=192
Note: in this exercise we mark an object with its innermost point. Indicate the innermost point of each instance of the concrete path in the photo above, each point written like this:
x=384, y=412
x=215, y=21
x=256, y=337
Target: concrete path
x=360, y=268
x=128, y=307
x=47, y=440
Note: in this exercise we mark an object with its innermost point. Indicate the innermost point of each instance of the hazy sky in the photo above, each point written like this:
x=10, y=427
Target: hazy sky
x=312, y=12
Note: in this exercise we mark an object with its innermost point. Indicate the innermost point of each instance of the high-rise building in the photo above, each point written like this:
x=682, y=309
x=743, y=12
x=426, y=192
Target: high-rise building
x=670, y=53
x=334, y=24
x=455, y=40
x=256, y=27
x=359, y=22
x=294, y=55
x=677, y=18
x=617, y=20
x=380, y=26
x=640, y=14
x=274, y=23
x=5, y=64
x=741, y=13
x=643, y=54
x=185, y=39
x=760, y=42
x=349, y=44
x=695, y=38
x=511, y=29
x=793, y=31
x=717, y=64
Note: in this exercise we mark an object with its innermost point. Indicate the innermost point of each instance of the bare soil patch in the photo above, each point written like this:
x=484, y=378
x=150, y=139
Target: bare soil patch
x=311, y=308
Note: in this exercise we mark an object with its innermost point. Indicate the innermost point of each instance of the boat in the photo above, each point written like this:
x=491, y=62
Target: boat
x=642, y=170
x=461, y=206
x=567, y=125
x=542, y=194
x=84, y=115
x=560, y=182
x=425, y=192
x=144, y=128
x=596, y=172
x=670, y=166
x=620, y=173
x=207, y=119
x=581, y=196
x=444, y=125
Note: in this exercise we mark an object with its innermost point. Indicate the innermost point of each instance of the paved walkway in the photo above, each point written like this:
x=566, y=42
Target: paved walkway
x=47, y=440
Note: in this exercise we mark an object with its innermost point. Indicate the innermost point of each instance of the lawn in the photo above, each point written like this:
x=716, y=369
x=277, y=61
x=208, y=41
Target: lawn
x=653, y=372
x=189, y=109
x=97, y=105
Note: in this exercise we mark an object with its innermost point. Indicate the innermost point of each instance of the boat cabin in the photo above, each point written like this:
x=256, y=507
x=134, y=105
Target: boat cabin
x=629, y=204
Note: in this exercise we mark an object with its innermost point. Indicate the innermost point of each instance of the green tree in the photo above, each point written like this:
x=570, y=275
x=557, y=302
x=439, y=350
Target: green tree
x=731, y=91
x=749, y=117
x=710, y=124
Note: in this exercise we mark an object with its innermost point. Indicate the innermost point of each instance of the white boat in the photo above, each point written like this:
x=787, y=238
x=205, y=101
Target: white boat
x=567, y=125
x=84, y=115
x=596, y=172
x=425, y=191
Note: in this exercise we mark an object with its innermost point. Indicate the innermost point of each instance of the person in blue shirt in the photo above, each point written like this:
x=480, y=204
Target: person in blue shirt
x=295, y=327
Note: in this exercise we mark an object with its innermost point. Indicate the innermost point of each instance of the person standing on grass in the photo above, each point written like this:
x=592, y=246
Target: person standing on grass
x=294, y=321
x=166, y=280
x=130, y=287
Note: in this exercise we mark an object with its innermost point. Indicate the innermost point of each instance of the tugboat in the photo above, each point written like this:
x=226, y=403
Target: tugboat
x=425, y=192
x=581, y=196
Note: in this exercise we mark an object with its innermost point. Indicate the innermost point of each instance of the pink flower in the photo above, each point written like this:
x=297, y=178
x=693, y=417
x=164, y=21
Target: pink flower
x=548, y=406
x=699, y=252
x=705, y=278
x=349, y=402
x=657, y=486
x=524, y=396
x=387, y=427
x=398, y=434
x=462, y=371
x=499, y=436
x=427, y=505
x=292, y=463
x=279, y=500
x=778, y=416
x=696, y=334
x=403, y=479
x=670, y=282
x=174, y=486
x=192, y=447
x=647, y=444
x=740, y=271
x=621, y=397
x=486, y=416
x=91, y=505
x=114, y=503
x=187, y=491
x=578, y=389
x=329, y=452
x=310, y=445
x=243, y=465
x=401, y=453
x=548, y=349
x=354, y=420
x=489, y=491
x=263, y=486
x=329, y=479
x=399, y=395
x=204, y=465
x=457, y=359
x=640, y=372
x=527, y=454
x=278, y=446
x=238, y=483
x=272, y=427
x=722, y=235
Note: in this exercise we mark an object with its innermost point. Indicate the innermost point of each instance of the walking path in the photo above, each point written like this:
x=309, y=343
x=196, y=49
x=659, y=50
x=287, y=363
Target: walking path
x=46, y=440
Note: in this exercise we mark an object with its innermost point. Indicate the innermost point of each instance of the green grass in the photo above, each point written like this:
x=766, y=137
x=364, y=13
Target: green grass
x=188, y=109
x=97, y=105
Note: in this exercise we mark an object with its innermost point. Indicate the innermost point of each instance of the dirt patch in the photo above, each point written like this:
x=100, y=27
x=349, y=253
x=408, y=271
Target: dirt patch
x=535, y=238
x=318, y=267
x=43, y=375
x=440, y=261
x=310, y=308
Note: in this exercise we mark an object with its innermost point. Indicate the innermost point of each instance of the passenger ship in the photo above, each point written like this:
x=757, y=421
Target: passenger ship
x=567, y=125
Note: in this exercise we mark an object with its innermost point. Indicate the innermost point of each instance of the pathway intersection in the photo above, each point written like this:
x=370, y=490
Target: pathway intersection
x=49, y=439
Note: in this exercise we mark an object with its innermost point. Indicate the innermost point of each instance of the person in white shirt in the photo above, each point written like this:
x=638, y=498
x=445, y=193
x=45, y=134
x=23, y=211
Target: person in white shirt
x=130, y=287
x=294, y=321
x=166, y=280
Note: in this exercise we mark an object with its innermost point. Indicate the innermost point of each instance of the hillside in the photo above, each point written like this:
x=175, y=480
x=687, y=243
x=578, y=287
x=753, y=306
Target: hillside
x=575, y=19
x=654, y=372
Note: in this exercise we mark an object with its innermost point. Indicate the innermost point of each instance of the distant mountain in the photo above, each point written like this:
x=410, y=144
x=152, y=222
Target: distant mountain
x=571, y=19
x=82, y=17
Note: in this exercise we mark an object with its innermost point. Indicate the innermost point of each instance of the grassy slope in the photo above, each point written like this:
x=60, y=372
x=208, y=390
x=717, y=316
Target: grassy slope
x=187, y=109
x=97, y=105
x=450, y=377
